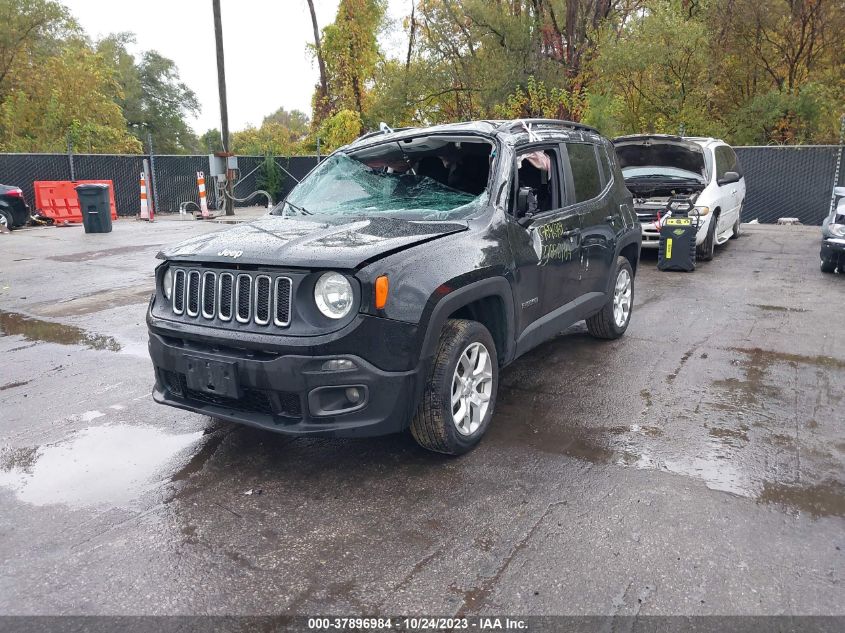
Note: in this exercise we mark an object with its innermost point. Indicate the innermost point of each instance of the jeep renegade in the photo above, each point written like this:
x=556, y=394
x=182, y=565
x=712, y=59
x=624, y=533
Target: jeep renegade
x=395, y=281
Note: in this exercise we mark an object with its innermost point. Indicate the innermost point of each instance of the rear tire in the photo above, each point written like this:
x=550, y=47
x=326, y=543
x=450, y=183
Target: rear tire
x=827, y=265
x=6, y=219
x=460, y=392
x=704, y=252
x=612, y=320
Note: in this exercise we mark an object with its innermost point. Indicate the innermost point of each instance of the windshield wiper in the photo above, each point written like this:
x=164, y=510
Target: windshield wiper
x=295, y=207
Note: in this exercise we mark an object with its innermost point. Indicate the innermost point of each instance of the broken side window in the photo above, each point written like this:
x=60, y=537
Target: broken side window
x=537, y=171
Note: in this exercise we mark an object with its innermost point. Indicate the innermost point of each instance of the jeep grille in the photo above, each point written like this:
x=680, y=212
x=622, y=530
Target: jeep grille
x=220, y=295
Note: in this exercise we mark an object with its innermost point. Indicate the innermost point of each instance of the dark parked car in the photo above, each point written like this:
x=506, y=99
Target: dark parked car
x=833, y=236
x=14, y=211
x=396, y=280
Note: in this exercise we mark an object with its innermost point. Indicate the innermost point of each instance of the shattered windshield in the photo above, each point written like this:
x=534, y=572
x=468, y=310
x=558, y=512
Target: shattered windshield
x=428, y=186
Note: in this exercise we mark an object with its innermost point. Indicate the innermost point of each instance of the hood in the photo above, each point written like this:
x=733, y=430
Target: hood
x=345, y=243
x=656, y=150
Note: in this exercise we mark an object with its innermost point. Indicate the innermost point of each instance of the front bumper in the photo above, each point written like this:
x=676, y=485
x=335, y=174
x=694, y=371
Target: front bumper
x=833, y=248
x=284, y=388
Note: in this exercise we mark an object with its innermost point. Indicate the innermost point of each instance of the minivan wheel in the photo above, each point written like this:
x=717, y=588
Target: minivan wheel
x=612, y=320
x=460, y=393
x=737, y=229
x=705, y=251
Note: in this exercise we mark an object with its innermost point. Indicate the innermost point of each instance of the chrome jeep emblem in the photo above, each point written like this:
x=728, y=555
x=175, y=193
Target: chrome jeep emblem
x=230, y=253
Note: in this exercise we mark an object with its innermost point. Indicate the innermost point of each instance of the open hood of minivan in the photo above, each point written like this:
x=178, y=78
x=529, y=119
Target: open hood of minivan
x=643, y=151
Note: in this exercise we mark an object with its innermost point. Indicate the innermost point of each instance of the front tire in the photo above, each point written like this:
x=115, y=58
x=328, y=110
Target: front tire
x=460, y=391
x=613, y=319
x=704, y=252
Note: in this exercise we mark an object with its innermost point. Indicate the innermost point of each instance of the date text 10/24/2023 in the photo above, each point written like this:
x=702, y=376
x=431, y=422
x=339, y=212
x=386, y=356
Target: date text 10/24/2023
x=421, y=623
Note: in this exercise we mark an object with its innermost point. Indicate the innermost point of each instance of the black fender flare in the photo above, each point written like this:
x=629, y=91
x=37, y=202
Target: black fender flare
x=460, y=297
x=630, y=237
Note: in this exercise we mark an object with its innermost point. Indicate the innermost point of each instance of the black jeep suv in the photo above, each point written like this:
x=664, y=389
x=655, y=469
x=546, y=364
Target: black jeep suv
x=396, y=280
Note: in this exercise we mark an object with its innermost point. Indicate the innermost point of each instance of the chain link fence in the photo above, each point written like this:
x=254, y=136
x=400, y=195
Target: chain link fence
x=781, y=181
x=174, y=178
x=794, y=181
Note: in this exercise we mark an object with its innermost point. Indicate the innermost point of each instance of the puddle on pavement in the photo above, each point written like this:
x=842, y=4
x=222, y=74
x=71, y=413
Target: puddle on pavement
x=739, y=438
x=198, y=461
x=761, y=358
x=614, y=444
x=13, y=385
x=32, y=329
x=824, y=499
x=109, y=465
x=730, y=436
x=772, y=308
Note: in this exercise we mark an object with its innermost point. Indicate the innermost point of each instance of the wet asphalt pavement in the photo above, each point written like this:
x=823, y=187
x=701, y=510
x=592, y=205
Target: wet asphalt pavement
x=696, y=466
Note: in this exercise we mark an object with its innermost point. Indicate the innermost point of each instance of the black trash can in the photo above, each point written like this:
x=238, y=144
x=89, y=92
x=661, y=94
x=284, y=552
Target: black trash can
x=95, y=205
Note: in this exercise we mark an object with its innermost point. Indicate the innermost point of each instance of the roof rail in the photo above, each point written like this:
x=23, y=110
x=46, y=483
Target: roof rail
x=380, y=133
x=510, y=126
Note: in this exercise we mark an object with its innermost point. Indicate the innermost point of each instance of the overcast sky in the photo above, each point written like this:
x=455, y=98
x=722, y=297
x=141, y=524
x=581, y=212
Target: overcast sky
x=267, y=64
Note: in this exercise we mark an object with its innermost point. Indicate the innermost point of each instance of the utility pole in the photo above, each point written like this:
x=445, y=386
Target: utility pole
x=224, y=109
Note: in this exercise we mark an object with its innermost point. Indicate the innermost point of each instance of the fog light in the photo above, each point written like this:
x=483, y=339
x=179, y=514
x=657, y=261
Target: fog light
x=353, y=394
x=338, y=364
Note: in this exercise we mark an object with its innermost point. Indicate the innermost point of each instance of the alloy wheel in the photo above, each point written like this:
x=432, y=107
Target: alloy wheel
x=622, y=298
x=472, y=387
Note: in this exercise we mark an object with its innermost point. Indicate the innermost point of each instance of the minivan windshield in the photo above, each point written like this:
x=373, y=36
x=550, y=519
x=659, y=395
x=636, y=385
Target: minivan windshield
x=442, y=183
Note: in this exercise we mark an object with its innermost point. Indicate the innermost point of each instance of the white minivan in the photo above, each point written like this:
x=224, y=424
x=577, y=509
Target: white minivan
x=658, y=167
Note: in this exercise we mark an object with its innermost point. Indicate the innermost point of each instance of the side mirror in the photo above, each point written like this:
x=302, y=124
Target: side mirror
x=729, y=177
x=526, y=202
x=839, y=192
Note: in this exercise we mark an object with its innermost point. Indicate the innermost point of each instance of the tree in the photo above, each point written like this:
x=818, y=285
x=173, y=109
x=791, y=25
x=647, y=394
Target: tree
x=350, y=49
x=38, y=115
x=154, y=99
x=321, y=94
x=32, y=30
x=270, y=178
x=780, y=76
x=295, y=120
x=211, y=141
x=340, y=128
x=271, y=138
x=657, y=69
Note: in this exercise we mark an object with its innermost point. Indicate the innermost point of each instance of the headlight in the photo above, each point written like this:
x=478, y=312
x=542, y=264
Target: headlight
x=333, y=295
x=702, y=211
x=167, y=282
x=837, y=230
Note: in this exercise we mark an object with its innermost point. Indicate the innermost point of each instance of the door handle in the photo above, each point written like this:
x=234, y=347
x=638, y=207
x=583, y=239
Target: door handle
x=733, y=191
x=570, y=232
x=610, y=218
